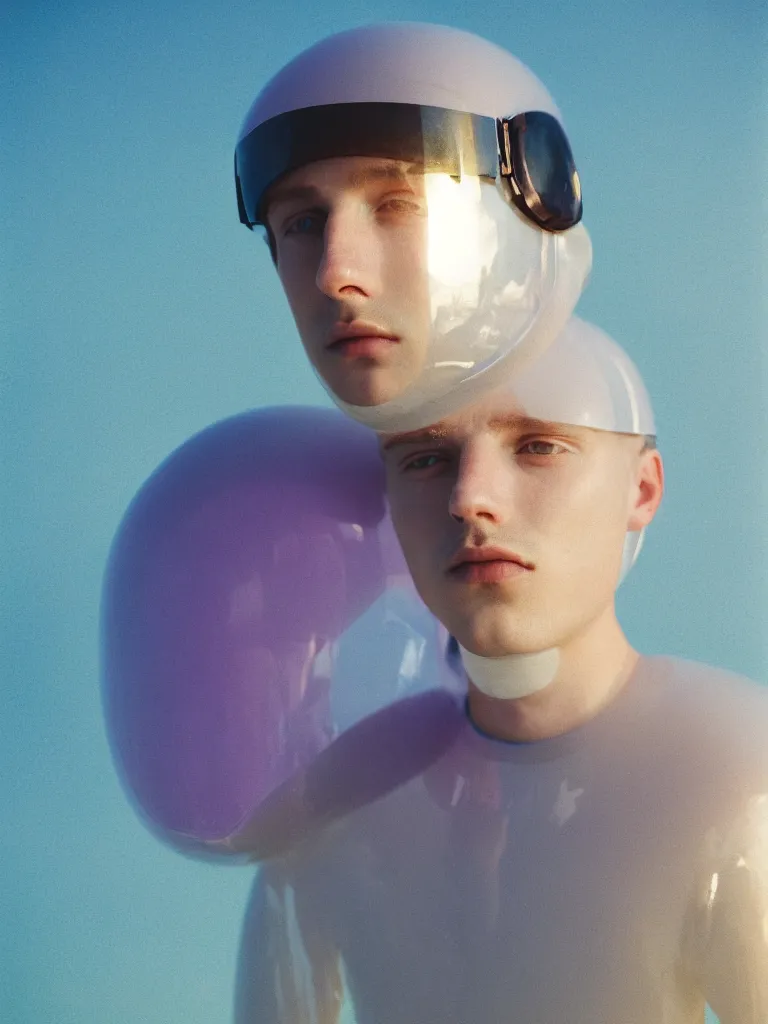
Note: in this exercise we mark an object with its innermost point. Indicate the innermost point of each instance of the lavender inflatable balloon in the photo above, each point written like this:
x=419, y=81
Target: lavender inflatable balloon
x=250, y=550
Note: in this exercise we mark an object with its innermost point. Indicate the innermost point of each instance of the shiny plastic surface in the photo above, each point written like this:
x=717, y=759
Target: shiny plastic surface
x=232, y=581
x=617, y=873
x=238, y=574
x=458, y=286
x=481, y=292
x=584, y=379
x=403, y=62
x=411, y=868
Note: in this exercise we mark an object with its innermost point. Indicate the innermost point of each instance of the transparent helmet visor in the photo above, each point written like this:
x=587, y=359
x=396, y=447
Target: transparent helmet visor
x=412, y=248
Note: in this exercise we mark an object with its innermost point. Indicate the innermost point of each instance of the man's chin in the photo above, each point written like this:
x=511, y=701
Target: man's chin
x=499, y=645
x=369, y=387
x=499, y=652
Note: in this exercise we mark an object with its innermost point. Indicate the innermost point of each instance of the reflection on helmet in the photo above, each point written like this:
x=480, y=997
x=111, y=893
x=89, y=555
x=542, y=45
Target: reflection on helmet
x=494, y=259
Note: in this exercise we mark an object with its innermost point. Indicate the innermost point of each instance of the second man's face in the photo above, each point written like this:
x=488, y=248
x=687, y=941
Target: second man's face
x=513, y=529
x=350, y=237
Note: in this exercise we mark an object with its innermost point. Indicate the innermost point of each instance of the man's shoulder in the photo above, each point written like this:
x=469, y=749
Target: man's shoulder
x=722, y=711
x=706, y=678
x=705, y=690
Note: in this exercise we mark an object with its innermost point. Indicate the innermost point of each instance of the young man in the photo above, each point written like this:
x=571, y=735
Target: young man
x=422, y=208
x=588, y=841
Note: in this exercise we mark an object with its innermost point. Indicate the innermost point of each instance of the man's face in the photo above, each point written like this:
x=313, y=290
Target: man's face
x=350, y=239
x=554, y=501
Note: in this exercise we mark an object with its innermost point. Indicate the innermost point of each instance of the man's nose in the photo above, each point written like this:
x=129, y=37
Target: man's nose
x=482, y=491
x=350, y=264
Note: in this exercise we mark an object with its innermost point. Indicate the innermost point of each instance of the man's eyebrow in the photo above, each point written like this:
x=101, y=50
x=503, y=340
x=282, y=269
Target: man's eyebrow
x=384, y=172
x=529, y=423
x=414, y=437
x=288, y=193
x=504, y=421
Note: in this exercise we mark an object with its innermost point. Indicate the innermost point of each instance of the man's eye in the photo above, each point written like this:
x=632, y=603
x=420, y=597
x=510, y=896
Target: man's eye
x=421, y=462
x=309, y=223
x=543, y=448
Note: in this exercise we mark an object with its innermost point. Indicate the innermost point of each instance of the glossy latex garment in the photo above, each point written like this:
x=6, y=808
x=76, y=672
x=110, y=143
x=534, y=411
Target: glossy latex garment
x=618, y=874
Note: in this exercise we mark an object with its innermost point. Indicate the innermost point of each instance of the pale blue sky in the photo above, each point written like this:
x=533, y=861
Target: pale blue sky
x=138, y=311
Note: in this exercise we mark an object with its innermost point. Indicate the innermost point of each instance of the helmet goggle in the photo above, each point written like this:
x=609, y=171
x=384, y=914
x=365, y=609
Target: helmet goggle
x=527, y=155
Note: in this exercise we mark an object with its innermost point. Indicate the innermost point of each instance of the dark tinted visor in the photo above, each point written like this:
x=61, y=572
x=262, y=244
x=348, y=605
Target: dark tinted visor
x=448, y=141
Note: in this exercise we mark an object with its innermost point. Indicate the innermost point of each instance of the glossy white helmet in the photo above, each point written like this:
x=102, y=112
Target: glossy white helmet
x=500, y=257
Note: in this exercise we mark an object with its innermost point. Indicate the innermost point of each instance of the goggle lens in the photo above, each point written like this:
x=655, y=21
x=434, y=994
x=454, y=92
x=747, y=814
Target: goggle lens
x=544, y=182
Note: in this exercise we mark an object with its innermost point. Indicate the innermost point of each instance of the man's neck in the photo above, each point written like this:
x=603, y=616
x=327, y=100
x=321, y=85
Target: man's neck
x=592, y=670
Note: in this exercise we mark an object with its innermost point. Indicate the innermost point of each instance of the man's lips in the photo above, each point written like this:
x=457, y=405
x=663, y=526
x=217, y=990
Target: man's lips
x=360, y=338
x=487, y=565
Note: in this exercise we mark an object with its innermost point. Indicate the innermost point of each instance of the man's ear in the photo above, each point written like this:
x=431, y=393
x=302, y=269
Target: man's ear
x=647, y=490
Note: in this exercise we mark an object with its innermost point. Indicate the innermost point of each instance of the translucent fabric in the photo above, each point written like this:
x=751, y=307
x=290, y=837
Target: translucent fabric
x=616, y=873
